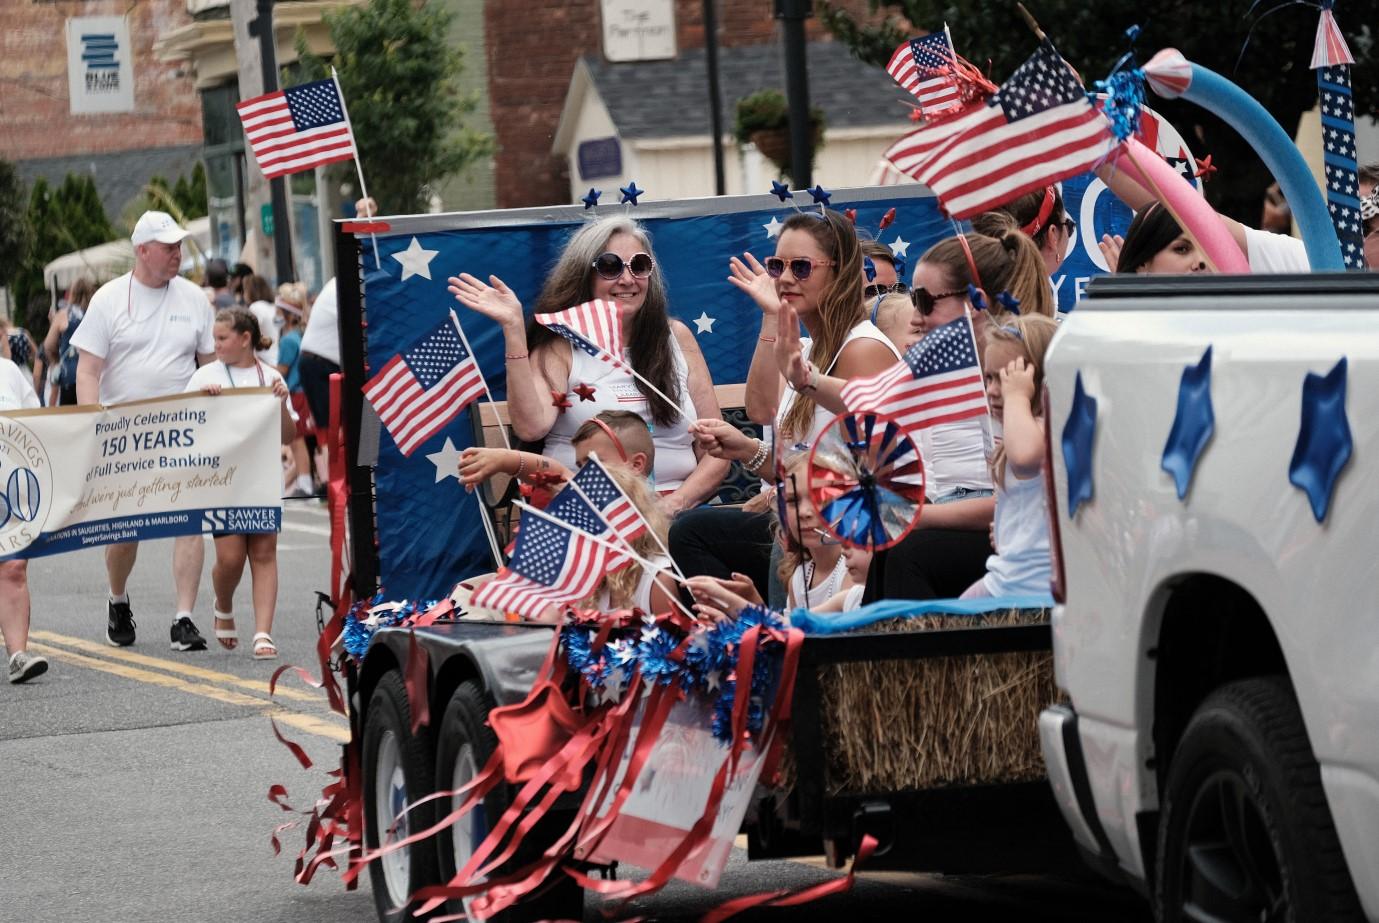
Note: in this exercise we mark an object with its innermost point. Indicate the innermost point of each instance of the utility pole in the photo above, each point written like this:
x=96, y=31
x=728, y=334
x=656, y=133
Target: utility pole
x=793, y=13
x=715, y=96
x=262, y=29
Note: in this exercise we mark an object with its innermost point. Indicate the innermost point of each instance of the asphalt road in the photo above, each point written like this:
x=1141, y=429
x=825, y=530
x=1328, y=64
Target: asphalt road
x=133, y=781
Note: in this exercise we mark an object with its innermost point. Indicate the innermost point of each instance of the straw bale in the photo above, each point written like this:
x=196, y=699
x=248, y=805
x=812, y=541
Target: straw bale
x=918, y=724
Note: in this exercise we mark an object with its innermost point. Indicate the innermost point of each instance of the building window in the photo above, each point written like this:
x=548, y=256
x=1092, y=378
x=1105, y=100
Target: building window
x=224, y=154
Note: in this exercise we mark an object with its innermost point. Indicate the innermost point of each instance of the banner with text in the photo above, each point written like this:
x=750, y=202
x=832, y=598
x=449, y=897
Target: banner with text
x=78, y=477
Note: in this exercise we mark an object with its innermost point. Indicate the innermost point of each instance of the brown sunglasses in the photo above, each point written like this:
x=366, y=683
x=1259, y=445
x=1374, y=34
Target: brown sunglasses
x=924, y=302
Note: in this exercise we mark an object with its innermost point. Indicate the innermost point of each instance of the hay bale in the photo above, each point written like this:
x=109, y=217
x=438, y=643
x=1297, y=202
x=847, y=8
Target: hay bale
x=917, y=724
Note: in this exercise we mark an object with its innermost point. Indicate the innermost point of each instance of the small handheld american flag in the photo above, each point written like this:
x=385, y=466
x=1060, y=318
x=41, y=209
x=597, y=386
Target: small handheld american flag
x=927, y=68
x=939, y=381
x=595, y=327
x=610, y=501
x=1037, y=129
x=297, y=129
x=422, y=389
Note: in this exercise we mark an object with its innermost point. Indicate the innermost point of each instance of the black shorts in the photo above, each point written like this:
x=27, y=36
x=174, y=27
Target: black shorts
x=315, y=372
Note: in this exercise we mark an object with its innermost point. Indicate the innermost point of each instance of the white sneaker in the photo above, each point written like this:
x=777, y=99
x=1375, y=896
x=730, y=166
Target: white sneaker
x=25, y=666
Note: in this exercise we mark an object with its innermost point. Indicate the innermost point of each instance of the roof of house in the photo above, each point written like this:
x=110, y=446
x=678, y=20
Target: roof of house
x=660, y=99
x=120, y=176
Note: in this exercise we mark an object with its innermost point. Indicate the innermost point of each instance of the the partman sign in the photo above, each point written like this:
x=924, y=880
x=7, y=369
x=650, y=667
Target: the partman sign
x=100, y=65
x=77, y=477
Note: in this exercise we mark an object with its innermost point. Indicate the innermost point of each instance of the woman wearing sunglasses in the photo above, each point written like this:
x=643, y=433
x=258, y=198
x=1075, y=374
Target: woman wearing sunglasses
x=553, y=389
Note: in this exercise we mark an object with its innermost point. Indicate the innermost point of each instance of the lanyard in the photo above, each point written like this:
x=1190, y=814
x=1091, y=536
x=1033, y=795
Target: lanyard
x=258, y=367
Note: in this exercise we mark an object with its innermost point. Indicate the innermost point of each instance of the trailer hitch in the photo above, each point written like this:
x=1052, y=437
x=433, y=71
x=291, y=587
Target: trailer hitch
x=877, y=819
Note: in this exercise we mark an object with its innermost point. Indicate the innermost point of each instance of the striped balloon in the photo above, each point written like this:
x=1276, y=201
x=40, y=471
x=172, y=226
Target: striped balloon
x=1169, y=73
x=23, y=495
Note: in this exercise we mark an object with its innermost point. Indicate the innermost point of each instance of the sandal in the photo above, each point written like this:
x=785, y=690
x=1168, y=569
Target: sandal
x=228, y=638
x=264, y=648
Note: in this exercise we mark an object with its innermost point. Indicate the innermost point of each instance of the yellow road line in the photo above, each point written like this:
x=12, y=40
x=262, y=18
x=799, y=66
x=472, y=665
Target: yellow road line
x=307, y=723
x=284, y=690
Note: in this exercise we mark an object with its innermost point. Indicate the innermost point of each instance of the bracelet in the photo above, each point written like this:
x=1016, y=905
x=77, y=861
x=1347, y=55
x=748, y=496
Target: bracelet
x=511, y=358
x=521, y=463
x=757, y=460
x=766, y=339
x=811, y=382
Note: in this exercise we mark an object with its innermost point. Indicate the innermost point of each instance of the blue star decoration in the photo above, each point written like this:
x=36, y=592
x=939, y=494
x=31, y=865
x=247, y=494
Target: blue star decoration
x=820, y=195
x=1192, y=425
x=780, y=190
x=1324, y=444
x=630, y=193
x=1078, y=434
x=592, y=198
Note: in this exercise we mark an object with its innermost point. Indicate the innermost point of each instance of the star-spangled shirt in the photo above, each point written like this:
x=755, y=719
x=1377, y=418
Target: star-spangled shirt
x=314, y=104
x=432, y=358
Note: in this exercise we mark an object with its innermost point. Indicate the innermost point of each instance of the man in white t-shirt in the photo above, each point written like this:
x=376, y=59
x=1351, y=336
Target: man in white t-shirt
x=143, y=335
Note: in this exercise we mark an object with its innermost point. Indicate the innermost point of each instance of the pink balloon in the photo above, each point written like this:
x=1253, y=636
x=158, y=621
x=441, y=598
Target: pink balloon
x=1201, y=219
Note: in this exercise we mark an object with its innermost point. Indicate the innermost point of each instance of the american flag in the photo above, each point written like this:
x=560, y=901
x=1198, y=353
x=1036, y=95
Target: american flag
x=1037, y=129
x=298, y=128
x=424, y=388
x=926, y=67
x=939, y=381
x=552, y=563
x=608, y=498
x=595, y=327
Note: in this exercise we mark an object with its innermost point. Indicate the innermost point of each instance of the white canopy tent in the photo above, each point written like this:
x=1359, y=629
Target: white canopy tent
x=104, y=262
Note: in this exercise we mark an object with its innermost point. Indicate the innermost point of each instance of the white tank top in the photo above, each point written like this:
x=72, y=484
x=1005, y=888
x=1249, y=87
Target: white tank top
x=616, y=389
x=831, y=586
x=865, y=330
x=1020, y=565
x=641, y=597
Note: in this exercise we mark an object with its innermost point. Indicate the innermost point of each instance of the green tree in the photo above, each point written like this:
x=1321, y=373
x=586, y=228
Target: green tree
x=61, y=220
x=397, y=74
x=14, y=226
x=1267, y=55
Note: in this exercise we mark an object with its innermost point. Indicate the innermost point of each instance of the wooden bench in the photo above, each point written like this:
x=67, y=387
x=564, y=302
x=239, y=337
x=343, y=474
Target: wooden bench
x=497, y=495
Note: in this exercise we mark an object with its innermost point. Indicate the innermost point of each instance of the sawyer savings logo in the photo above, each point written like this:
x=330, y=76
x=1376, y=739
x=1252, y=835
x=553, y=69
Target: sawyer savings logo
x=26, y=478
x=98, y=54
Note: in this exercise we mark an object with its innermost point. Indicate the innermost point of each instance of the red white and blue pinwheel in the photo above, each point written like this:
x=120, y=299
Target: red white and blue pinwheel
x=866, y=479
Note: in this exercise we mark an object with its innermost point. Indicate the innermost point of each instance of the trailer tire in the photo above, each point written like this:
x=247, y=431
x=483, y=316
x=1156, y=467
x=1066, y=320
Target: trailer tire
x=397, y=771
x=1246, y=832
x=464, y=744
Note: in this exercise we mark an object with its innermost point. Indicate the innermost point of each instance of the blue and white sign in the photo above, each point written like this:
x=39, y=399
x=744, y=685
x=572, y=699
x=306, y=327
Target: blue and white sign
x=72, y=478
x=100, y=65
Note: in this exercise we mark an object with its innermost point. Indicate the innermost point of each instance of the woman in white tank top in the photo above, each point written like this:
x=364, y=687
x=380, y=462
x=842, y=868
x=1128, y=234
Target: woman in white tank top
x=552, y=388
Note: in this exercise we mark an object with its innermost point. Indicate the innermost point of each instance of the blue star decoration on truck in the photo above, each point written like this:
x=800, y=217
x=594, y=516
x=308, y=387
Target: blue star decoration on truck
x=1324, y=444
x=1192, y=425
x=1078, y=435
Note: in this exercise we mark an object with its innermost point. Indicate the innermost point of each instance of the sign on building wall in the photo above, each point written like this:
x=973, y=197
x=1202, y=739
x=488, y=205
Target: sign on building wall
x=638, y=30
x=100, y=65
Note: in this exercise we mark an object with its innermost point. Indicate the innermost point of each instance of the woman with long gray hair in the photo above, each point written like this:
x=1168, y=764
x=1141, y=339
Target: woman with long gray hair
x=553, y=389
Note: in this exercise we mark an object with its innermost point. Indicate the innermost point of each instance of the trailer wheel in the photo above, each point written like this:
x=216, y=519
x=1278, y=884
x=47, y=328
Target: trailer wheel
x=1246, y=833
x=464, y=744
x=397, y=772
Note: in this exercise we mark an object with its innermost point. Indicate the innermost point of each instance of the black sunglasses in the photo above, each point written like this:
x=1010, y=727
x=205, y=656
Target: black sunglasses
x=924, y=302
x=800, y=266
x=876, y=289
x=610, y=266
x=1069, y=225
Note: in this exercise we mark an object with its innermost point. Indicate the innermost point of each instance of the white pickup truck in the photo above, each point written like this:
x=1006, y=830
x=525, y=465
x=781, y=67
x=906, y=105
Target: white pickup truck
x=1219, y=644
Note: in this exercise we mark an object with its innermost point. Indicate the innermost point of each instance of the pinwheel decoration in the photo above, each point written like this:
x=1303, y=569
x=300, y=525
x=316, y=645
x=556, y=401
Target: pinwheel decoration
x=866, y=479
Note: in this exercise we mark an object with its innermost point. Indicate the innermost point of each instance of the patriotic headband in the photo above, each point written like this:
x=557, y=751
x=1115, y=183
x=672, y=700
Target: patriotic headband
x=1041, y=219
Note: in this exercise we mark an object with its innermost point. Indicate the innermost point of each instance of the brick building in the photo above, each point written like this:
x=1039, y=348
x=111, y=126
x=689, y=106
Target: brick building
x=528, y=76
x=121, y=150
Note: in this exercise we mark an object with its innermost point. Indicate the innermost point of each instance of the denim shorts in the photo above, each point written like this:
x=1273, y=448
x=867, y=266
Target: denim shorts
x=964, y=493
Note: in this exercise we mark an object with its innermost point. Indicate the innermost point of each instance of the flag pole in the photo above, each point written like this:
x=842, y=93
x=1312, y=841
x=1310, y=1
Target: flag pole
x=358, y=168
x=488, y=530
x=502, y=430
x=649, y=531
x=989, y=430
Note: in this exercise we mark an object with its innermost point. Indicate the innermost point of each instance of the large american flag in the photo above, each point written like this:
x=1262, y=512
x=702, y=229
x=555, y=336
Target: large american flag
x=1037, y=129
x=298, y=128
x=938, y=381
x=595, y=327
x=419, y=391
x=552, y=563
x=926, y=67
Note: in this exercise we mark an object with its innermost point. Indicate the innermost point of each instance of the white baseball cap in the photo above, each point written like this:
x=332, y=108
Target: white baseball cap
x=157, y=226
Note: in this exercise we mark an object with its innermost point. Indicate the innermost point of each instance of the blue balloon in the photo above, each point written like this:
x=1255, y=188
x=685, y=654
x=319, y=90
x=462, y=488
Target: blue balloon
x=1243, y=112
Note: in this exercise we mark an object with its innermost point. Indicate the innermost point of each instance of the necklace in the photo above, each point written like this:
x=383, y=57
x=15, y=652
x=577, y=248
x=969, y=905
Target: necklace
x=258, y=367
x=129, y=296
x=830, y=585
